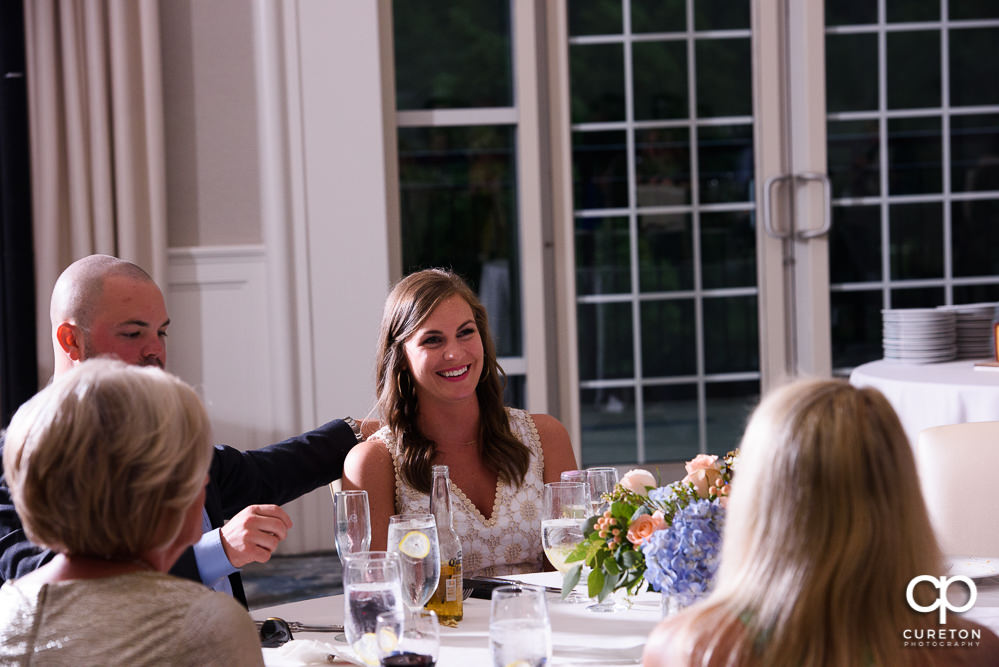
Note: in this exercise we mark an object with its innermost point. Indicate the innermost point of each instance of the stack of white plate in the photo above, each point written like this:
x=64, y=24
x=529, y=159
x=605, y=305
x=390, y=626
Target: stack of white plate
x=919, y=335
x=974, y=329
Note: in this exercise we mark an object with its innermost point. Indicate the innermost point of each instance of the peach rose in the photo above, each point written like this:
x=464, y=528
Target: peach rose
x=643, y=526
x=701, y=462
x=639, y=481
x=705, y=481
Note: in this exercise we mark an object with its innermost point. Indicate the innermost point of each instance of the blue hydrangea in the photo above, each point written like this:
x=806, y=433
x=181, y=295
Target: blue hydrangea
x=664, y=494
x=683, y=558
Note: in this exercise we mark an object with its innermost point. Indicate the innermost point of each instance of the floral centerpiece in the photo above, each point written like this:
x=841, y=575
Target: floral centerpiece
x=668, y=536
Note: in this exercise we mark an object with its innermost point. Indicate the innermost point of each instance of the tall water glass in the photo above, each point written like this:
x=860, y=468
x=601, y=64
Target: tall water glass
x=414, y=538
x=371, y=584
x=351, y=522
x=564, y=509
x=519, y=629
x=602, y=481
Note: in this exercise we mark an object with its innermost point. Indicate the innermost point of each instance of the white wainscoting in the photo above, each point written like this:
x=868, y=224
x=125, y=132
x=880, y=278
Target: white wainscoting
x=219, y=342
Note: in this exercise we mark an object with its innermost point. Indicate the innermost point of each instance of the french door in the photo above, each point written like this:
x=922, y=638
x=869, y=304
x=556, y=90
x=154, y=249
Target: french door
x=754, y=182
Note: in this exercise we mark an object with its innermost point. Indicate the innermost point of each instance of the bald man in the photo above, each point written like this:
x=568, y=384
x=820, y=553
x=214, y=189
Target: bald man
x=102, y=305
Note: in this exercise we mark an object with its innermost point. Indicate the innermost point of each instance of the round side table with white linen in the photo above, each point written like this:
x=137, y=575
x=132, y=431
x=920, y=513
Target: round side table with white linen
x=926, y=395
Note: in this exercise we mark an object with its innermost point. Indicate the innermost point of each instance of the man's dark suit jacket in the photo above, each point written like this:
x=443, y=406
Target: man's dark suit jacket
x=273, y=475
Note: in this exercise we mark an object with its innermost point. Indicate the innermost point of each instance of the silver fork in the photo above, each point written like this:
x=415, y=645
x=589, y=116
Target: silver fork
x=296, y=626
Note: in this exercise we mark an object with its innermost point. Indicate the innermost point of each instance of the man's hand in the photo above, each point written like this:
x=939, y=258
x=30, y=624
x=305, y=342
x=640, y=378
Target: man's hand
x=251, y=535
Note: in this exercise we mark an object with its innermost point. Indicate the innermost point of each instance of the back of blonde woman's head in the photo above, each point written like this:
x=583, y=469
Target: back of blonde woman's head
x=826, y=526
x=104, y=461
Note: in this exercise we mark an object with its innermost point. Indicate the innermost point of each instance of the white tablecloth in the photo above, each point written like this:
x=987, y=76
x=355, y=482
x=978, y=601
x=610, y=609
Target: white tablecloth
x=579, y=637
x=933, y=394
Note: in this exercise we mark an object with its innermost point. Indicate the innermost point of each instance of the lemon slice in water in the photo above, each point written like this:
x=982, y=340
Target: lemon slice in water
x=387, y=640
x=366, y=649
x=415, y=545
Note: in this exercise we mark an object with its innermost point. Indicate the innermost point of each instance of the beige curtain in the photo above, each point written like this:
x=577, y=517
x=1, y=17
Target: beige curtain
x=95, y=107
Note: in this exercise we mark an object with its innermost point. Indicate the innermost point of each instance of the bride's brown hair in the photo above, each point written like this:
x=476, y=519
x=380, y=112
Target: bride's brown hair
x=411, y=302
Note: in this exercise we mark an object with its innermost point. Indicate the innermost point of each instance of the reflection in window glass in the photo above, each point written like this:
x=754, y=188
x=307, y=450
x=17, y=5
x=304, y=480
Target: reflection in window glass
x=973, y=9
x=851, y=12
x=913, y=69
x=725, y=156
x=596, y=82
x=903, y=11
x=729, y=407
x=658, y=16
x=917, y=297
x=975, y=237
x=599, y=170
x=853, y=155
x=605, y=341
x=915, y=155
x=607, y=424
x=662, y=166
x=724, y=77
x=665, y=252
x=856, y=327
x=974, y=53
x=731, y=334
x=594, y=17
x=668, y=338
x=855, y=244
x=653, y=63
x=457, y=200
x=916, y=233
x=728, y=250
x=452, y=54
x=602, y=256
x=671, y=430
x=721, y=15
x=851, y=71
x=976, y=293
x=974, y=153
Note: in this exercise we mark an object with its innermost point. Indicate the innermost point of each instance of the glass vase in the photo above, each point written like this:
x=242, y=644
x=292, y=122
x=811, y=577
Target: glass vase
x=673, y=603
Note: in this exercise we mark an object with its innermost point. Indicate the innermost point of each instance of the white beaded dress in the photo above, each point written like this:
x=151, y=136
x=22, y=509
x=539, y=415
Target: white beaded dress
x=508, y=542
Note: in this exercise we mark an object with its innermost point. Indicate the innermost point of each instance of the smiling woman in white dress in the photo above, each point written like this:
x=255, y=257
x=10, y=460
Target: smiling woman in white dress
x=440, y=398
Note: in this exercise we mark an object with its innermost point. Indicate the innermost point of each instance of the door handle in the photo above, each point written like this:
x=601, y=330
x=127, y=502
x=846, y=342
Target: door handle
x=808, y=234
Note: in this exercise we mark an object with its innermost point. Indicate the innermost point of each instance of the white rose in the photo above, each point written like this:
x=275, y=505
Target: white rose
x=639, y=481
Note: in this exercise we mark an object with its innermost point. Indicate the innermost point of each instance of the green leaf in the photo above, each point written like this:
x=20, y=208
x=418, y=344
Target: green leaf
x=611, y=567
x=630, y=558
x=610, y=584
x=570, y=579
x=595, y=583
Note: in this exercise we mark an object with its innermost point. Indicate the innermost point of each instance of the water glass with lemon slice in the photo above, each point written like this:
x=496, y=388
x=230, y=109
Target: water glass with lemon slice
x=414, y=538
x=410, y=640
x=563, y=516
x=371, y=582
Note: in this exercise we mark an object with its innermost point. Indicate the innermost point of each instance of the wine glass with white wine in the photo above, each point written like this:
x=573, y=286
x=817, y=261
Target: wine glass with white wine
x=563, y=517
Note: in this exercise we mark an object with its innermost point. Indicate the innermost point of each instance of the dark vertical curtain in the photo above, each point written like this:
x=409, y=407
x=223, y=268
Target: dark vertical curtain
x=18, y=352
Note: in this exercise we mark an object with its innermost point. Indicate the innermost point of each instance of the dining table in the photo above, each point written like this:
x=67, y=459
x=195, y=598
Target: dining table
x=926, y=395
x=579, y=636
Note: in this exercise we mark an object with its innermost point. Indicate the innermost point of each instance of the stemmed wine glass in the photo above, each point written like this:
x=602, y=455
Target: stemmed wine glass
x=351, y=522
x=563, y=517
x=414, y=538
x=601, y=480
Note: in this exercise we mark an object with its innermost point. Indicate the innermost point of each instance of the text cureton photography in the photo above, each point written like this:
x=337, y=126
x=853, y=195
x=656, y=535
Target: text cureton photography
x=941, y=636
